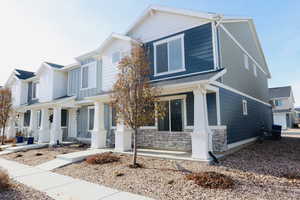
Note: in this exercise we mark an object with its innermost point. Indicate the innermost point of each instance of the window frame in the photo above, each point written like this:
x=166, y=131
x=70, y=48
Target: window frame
x=34, y=85
x=255, y=69
x=168, y=40
x=111, y=118
x=246, y=61
x=245, y=107
x=81, y=75
x=169, y=99
x=88, y=117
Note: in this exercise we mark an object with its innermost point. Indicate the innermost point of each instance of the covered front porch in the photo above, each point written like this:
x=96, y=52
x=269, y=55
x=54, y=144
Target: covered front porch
x=50, y=122
x=192, y=125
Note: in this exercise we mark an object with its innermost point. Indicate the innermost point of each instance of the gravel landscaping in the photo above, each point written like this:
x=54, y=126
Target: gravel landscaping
x=21, y=192
x=258, y=172
x=38, y=156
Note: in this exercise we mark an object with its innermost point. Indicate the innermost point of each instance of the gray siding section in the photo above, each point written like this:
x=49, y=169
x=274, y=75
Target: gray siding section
x=74, y=82
x=82, y=123
x=237, y=76
x=243, y=34
x=239, y=126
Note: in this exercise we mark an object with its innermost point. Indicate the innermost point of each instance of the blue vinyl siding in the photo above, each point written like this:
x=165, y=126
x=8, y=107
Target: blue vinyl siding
x=239, y=126
x=211, y=109
x=198, y=51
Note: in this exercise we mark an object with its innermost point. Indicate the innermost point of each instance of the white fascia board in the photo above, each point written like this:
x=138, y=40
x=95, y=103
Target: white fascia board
x=101, y=98
x=149, y=11
x=70, y=66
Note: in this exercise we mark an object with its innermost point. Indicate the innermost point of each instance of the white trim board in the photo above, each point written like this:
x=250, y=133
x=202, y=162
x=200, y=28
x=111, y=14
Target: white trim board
x=237, y=144
x=238, y=92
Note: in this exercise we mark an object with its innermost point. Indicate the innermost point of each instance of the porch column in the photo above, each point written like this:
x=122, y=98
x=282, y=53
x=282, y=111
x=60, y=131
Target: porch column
x=21, y=122
x=99, y=132
x=56, y=131
x=33, y=124
x=11, y=131
x=200, y=135
x=72, y=128
x=44, y=132
x=123, y=137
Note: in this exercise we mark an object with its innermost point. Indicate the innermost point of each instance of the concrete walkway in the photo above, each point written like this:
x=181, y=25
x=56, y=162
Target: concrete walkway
x=62, y=187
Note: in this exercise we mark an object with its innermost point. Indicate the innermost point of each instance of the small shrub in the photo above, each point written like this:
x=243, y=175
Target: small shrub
x=102, y=158
x=292, y=176
x=19, y=155
x=38, y=154
x=211, y=180
x=4, y=180
x=170, y=182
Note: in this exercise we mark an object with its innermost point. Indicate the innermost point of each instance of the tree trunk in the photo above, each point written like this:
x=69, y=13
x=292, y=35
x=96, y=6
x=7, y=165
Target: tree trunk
x=134, y=147
x=3, y=132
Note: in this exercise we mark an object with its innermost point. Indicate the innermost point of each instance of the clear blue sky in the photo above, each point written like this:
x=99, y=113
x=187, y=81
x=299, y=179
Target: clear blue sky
x=33, y=31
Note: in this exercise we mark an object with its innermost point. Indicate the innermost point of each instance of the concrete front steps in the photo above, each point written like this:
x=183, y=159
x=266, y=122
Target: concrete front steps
x=22, y=147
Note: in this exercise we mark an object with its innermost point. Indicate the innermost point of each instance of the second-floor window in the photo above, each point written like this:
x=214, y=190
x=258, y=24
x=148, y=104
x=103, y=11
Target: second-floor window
x=169, y=55
x=278, y=102
x=34, y=90
x=89, y=75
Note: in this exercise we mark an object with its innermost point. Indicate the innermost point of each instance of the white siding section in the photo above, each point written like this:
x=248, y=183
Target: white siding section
x=109, y=69
x=162, y=24
x=45, y=85
x=60, y=83
x=19, y=92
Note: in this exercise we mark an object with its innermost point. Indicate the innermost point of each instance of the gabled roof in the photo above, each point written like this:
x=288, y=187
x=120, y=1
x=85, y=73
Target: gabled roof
x=280, y=92
x=104, y=44
x=153, y=8
x=54, y=65
x=22, y=74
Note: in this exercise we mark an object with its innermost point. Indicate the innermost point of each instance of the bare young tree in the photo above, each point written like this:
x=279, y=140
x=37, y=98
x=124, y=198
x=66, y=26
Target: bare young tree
x=134, y=98
x=5, y=109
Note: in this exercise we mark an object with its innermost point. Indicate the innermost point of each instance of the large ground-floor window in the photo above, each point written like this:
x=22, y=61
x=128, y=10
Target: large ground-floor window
x=173, y=120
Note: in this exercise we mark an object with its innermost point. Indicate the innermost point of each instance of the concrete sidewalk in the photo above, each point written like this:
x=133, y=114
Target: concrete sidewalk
x=62, y=187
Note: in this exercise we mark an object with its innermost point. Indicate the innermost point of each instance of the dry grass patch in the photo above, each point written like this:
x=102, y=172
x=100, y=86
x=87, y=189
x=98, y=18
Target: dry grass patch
x=212, y=180
x=291, y=176
x=103, y=158
x=4, y=180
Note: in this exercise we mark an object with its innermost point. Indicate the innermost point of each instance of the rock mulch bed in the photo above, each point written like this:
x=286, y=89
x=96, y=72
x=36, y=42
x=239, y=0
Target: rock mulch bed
x=256, y=171
x=38, y=156
x=21, y=192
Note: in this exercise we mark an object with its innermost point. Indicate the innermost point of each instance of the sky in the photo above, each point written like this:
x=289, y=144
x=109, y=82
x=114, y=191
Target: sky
x=34, y=31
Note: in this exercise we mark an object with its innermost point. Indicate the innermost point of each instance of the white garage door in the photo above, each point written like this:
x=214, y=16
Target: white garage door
x=280, y=119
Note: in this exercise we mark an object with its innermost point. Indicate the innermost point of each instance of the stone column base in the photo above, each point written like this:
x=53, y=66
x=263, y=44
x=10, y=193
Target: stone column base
x=123, y=140
x=200, y=146
x=98, y=139
x=44, y=136
x=55, y=135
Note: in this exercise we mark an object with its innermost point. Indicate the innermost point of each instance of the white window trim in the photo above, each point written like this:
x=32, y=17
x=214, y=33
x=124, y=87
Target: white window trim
x=255, y=69
x=34, y=98
x=38, y=113
x=245, y=107
x=169, y=98
x=246, y=61
x=81, y=73
x=88, y=117
x=167, y=40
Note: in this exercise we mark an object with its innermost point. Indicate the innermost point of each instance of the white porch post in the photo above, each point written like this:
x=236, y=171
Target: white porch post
x=72, y=129
x=21, y=122
x=123, y=137
x=44, y=132
x=33, y=126
x=11, y=131
x=56, y=131
x=200, y=135
x=99, y=132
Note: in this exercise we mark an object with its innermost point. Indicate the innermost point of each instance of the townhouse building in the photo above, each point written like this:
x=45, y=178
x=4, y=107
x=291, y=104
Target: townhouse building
x=211, y=69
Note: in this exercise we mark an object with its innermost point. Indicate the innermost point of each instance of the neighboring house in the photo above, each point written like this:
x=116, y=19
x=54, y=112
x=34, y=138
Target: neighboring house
x=211, y=69
x=297, y=116
x=283, y=101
